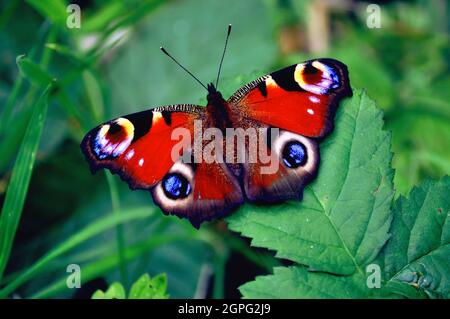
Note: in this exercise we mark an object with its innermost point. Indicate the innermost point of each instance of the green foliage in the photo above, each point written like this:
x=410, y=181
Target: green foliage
x=419, y=251
x=144, y=288
x=81, y=236
x=115, y=291
x=20, y=179
x=149, y=288
x=343, y=220
x=55, y=212
x=33, y=72
x=54, y=10
x=414, y=263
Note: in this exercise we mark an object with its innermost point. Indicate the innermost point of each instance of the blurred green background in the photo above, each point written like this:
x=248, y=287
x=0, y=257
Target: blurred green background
x=112, y=66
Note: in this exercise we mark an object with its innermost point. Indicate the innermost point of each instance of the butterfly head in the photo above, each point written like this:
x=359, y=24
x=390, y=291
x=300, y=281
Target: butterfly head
x=213, y=94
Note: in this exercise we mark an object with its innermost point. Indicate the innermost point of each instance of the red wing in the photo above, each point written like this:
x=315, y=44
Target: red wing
x=138, y=146
x=301, y=98
x=285, y=163
x=208, y=191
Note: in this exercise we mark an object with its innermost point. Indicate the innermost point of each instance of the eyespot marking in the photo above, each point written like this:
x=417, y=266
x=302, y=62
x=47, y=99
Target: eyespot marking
x=316, y=77
x=113, y=139
x=176, y=186
x=294, y=154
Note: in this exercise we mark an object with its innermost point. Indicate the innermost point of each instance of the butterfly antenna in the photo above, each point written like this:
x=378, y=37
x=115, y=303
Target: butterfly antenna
x=223, y=55
x=189, y=72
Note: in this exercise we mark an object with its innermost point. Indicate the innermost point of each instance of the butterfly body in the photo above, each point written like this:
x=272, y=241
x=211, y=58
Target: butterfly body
x=218, y=111
x=260, y=145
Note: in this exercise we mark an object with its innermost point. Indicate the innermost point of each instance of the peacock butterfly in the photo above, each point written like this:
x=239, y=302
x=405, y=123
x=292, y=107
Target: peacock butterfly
x=281, y=116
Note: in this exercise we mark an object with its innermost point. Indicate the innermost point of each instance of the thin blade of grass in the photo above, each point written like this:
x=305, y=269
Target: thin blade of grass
x=11, y=135
x=54, y=10
x=12, y=99
x=20, y=179
x=86, y=233
x=33, y=72
x=120, y=238
x=101, y=266
x=8, y=12
x=46, y=32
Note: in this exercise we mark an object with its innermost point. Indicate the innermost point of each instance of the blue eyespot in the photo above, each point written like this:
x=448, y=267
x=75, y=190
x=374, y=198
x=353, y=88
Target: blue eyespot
x=176, y=186
x=294, y=154
x=335, y=78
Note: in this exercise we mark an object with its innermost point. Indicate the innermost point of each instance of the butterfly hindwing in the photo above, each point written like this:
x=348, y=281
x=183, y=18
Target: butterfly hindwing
x=198, y=191
x=294, y=163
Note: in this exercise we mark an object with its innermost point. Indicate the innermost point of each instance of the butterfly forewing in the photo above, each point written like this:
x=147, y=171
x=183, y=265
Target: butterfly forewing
x=301, y=98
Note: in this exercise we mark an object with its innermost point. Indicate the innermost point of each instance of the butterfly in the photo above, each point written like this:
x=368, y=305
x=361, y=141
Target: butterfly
x=298, y=102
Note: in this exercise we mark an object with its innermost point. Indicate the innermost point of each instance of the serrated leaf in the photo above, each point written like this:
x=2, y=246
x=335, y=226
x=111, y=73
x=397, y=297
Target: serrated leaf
x=298, y=282
x=115, y=291
x=150, y=288
x=416, y=259
x=419, y=251
x=344, y=217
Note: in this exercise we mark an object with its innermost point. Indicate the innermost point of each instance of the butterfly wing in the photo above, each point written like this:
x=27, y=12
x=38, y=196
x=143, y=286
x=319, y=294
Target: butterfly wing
x=198, y=191
x=300, y=101
x=147, y=149
x=301, y=98
x=138, y=146
x=279, y=163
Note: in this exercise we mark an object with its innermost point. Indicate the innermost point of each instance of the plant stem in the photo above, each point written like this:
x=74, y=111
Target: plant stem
x=115, y=203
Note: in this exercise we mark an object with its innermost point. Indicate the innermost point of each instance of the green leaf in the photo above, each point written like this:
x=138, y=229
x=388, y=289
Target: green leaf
x=20, y=179
x=54, y=10
x=298, y=282
x=419, y=251
x=73, y=241
x=144, y=288
x=149, y=288
x=343, y=219
x=106, y=263
x=36, y=74
x=115, y=291
x=415, y=259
